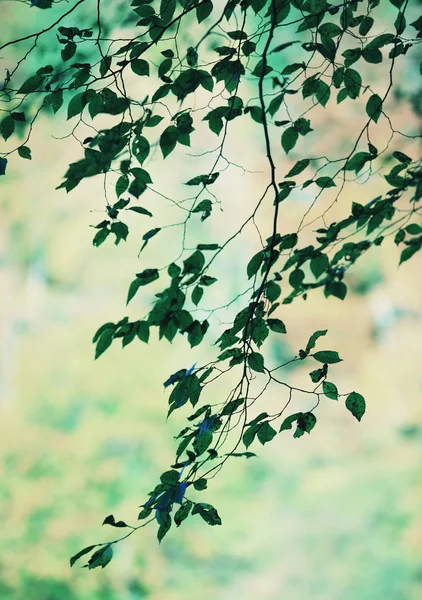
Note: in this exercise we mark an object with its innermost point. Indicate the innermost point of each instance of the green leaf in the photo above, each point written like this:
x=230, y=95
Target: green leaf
x=372, y=55
x=305, y=423
x=413, y=229
x=101, y=557
x=327, y=356
x=330, y=390
x=353, y=82
x=319, y=265
x=276, y=325
x=76, y=105
x=31, y=85
x=408, y=253
x=289, y=139
x=200, y=484
x=325, y=182
x=121, y=185
x=197, y=294
x=356, y=404
x=322, y=93
x=168, y=140
x=165, y=524
x=272, y=291
x=202, y=441
x=140, y=210
x=204, y=10
x=183, y=512
x=142, y=331
x=266, y=433
x=104, y=342
x=288, y=422
x=120, y=230
x=140, y=148
x=207, y=512
x=105, y=65
x=24, y=152
x=374, y=107
x=140, y=67
x=81, y=553
x=256, y=362
x=313, y=339
x=365, y=25
x=101, y=236
x=68, y=51
x=7, y=127
x=254, y=264
x=317, y=375
x=298, y=167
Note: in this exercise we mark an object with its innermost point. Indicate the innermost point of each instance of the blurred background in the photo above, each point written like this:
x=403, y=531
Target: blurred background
x=334, y=515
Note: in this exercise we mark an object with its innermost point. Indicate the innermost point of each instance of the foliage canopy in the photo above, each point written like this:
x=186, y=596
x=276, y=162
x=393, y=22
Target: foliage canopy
x=250, y=57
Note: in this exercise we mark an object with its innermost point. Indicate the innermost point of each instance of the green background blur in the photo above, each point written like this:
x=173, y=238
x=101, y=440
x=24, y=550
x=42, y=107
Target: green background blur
x=334, y=515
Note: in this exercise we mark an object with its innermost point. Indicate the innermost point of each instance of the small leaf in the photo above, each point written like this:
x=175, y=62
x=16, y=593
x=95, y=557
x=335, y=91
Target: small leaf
x=197, y=294
x=319, y=265
x=256, y=362
x=327, y=356
x=140, y=210
x=24, y=152
x=7, y=127
x=298, y=167
x=168, y=140
x=140, y=66
x=101, y=557
x=266, y=433
x=313, y=339
x=81, y=553
x=289, y=139
x=356, y=404
x=254, y=264
x=207, y=512
x=374, y=107
x=104, y=341
x=204, y=10
x=164, y=519
x=330, y=390
x=325, y=182
x=276, y=325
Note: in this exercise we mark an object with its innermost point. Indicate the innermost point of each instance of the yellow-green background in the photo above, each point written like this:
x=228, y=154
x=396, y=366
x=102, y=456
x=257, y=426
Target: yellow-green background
x=334, y=515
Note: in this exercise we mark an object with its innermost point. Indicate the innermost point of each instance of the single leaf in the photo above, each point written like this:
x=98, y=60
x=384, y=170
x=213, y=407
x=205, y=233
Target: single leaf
x=25, y=152
x=256, y=362
x=327, y=356
x=289, y=139
x=356, y=404
x=330, y=390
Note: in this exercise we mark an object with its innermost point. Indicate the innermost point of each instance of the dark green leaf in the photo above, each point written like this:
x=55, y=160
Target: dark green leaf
x=289, y=139
x=24, y=152
x=140, y=66
x=168, y=140
x=374, y=107
x=204, y=10
x=266, y=433
x=256, y=362
x=327, y=356
x=7, y=127
x=81, y=553
x=298, y=167
x=276, y=325
x=330, y=390
x=356, y=404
